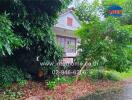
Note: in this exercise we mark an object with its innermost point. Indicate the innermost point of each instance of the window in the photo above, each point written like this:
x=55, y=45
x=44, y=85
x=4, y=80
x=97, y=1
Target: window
x=69, y=21
x=68, y=44
x=61, y=41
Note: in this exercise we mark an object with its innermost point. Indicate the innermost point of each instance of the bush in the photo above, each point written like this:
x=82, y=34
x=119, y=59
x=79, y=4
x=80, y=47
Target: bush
x=51, y=84
x=60, y=80
x=101, y=74
x=97, y=74
x=112, y=76
x=104, y=43
x=10, y=74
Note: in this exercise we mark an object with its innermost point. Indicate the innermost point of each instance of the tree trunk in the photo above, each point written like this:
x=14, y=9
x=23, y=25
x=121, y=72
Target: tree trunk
x=78, y=74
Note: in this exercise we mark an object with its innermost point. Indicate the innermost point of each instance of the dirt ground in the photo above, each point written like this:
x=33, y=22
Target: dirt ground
x=38, y=91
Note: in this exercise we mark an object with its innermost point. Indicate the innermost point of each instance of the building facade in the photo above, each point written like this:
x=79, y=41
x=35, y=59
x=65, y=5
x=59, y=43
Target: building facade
x=66, y=25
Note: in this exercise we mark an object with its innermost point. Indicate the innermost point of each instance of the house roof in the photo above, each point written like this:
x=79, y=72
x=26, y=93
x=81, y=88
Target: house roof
x=70, y=10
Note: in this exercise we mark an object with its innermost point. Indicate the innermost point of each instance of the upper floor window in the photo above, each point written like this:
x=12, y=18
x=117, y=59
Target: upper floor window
x=69, y=21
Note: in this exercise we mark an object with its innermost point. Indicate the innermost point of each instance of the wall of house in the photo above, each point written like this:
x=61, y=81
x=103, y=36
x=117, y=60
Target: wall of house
x=62, y=21
x=64, y=32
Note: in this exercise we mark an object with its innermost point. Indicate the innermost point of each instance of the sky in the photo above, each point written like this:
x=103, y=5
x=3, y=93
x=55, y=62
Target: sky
x=78, y=1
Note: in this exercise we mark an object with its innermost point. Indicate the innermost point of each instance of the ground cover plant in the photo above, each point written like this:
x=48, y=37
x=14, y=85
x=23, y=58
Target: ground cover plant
x=10, y=74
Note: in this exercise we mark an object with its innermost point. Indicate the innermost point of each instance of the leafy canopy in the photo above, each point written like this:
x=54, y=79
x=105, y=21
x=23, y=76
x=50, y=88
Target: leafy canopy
x=8, y=40
x=103, y=44
x=26, y=31
x=127, y=12
x=87, y=12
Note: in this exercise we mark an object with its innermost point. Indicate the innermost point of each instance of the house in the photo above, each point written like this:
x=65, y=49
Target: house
x=66, y=25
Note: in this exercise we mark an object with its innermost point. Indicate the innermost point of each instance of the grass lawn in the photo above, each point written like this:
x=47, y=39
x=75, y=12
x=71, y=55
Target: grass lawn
x=107, y=74
x=123, y=75
x=126, y=75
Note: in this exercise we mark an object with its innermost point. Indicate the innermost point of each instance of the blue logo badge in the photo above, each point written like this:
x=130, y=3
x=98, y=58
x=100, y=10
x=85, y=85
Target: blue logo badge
x=115, y=10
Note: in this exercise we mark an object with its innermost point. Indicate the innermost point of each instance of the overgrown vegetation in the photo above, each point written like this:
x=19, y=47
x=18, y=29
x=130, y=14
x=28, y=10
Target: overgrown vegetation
x=96, y=74
x=87, y=12
x=103, y=44
x=26, y=37
x=10, y=74
x=8, y=40
x=26, y=40
x=51, y=84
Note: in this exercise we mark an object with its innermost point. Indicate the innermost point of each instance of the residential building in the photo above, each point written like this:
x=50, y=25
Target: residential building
x=66, y=25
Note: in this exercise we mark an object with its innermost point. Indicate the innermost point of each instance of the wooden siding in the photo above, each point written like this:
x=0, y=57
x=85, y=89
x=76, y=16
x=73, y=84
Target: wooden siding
x=62, y=21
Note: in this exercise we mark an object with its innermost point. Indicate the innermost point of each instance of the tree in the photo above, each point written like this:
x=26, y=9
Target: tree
x=103, y=44
x=127, y=13
x=8, y=40
x=28, y=29
x=87, y=12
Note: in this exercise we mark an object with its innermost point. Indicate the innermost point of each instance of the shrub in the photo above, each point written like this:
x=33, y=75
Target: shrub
x=22, y=82
x=112, y=76
x=103, y=44
x=97, y=74
x=65, y=79
x=26, y=34
x=60, y=80
x=51, y=84
x=11, y=95
x=10, y=74
x=8, y=40
x=101, y=74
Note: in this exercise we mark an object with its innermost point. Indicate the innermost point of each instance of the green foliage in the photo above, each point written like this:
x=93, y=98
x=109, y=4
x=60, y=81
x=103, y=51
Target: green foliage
x=127, y=74
x=128, y=28
x=97, y=74
x=109, y=2
x=127, y=12
x=106, y=74
x=129, y=47
x=101, y=74
x=66, y=79
x=10, y=95
x=59, y=80
x=51, y=84
x=103, y=44
x=87, y=12
x=10, y=74
x=22, y=82
x=113, y=75
x=27, y=31
x=8, y=40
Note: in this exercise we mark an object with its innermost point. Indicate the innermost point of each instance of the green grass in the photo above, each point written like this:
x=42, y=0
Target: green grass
x=107, y=74
x=125, y=75
x=122, y=75
x=51, y=84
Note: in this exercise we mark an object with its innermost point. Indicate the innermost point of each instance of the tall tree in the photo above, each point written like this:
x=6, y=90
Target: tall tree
x=28, y=30
x=127, y=13
x=87, y=12
x=103, y=44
